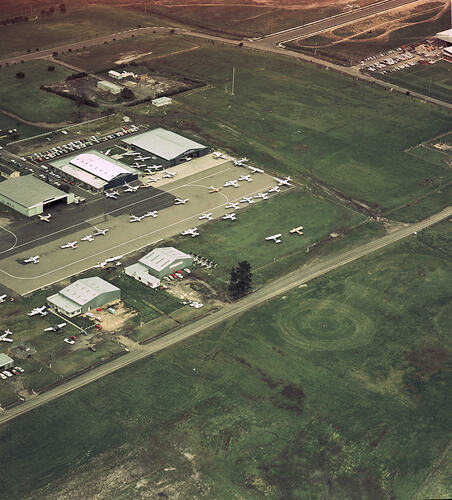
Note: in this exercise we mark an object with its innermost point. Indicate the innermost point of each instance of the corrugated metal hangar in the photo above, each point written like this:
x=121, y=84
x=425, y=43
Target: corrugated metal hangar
x=83, y=295
x=94, y=171
x=166, y=147
x=163, y=261
x=29, y=195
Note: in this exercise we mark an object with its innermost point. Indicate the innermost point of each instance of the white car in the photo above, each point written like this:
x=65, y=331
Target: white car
x=7, y=373
x=69, y=341
x=4, y=377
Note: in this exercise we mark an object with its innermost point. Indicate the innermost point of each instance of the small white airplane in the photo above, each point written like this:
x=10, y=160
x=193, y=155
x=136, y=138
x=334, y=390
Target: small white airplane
x=139, y=165
x=151, y=213
x=132, y=153
x=219, y=154
x=231, y=216
x=2, y=298
x=247, y=199
x=88, y=237
x=233, y=205
x=35, y=260
x=100, y=265
x=45, y=218
x=114, y=259
x=136, y=218
x=113, y=194
x=150, y=170
x=255, y=170
x=129, y=188
x=100, y=232
x=55, y=328
x=5, y=338
x=264, y=196
x=214, y=189
x=107, y=152
x=70, y=244
x=233, y=182
x=206, y=216
x=147, y=183
x=274, y=189
x=169, y=175
x=274, y=237
x=180, y=201
x=192, y=231
x=143, y=158
x=246, y=178
x=241, y=162
x=297, y=230
x=38, y=310
x=283, y=182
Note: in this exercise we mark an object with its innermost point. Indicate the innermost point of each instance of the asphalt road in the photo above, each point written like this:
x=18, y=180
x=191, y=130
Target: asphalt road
x=268, y=292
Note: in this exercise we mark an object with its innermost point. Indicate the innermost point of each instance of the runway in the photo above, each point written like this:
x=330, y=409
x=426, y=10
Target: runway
x=123, y=238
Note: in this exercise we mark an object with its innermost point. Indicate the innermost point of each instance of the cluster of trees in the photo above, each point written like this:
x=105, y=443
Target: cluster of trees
x=240, y=282
x=51, y=10
x=81, y=99
x=127, y=94
x=14, y=20
x=74, y=76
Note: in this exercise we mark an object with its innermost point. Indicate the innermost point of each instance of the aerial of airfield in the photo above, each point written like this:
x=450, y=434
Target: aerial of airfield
x=225, y=249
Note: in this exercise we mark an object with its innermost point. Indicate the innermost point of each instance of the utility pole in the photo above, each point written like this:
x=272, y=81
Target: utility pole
x=233, y=80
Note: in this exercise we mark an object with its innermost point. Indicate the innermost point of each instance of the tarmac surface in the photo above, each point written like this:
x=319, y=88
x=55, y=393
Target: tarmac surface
x=71, y=223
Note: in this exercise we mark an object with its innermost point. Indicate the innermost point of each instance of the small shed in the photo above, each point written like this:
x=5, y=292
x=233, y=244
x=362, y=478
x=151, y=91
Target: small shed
x=5, y=362
x=162, y=101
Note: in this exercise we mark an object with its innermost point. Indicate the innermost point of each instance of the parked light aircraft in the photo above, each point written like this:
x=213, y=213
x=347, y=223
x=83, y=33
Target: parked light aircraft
x=274, y=237
x=192, y=231
x=45, y=218
x=151, y=213
x=219, y=154
x=114, y=259
x=233, y=182
x=169, y=175
x=129, y=188
x=5, y=338
x=139, y=165
x=180, y=201
x=146, y=184
x=247, y=199
x=107, y=152
x=241, y=162
x=132, y=153
x=246, y=178
x=233, y=205
x=55, y=328
x=88, y=237
x=255, y=170
x=143, y=158
x=231, y=216
x=70, y=244
x=283, y=182
x=136, y=218
x=35, y=260
x=206, y=216
x=2, y=298
x=214, y=189
x=264, y=196
x=297, y=230
x=100, y=232
x=274, y=189
x=113, y=194
x=38, y=310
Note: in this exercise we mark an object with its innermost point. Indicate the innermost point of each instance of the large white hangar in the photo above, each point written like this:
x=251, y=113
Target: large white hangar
x=94, y=171
x=166, y=147
x=30, y=196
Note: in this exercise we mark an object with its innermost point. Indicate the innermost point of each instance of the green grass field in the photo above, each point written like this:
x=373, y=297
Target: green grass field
x=77, y=24
x=296, y=119
x=434, y=80
x=24, y=98
x=102, y=57
x=23, y=130
x=338, y=390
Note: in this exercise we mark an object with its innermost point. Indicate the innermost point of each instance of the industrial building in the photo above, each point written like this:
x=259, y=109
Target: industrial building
x=82, y=295
x=166, y=147
x=109, y=87
x=141, y=273
x=5, y=362
x=8, y=172
x=161, y=101
x=29, y=195
x=159, y=263
x=94, y=171
x=114, y=74
x=447, y=54
x=445, y=36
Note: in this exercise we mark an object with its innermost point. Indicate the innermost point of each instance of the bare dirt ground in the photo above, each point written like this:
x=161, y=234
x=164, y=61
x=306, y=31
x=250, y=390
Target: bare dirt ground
x=114, y=322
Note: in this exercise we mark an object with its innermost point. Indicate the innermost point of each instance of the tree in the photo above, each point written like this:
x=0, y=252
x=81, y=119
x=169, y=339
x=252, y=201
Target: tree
x=63, y=8
x=20, y=75
x=240, y=281
x=127, y=94
x=51, y=68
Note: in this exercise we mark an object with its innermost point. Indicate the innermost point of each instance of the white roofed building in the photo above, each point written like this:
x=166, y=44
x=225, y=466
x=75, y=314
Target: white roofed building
x=445, y=36
x=166, y=147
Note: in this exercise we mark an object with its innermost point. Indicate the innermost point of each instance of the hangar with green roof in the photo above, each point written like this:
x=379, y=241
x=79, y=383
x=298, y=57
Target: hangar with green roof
x=30, y=196
x=82, y=295
x=166, y=147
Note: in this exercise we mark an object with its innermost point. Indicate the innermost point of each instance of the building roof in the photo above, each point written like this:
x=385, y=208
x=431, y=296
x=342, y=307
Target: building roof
x=29, y=191
x=63, y=303
x=159, y=101
x=98, y=166
x=109, y=85
x=445, y=36
x=139, y=269
x=163, y=143
x=5, y=359
x=160, y=258
x=84, y=290
x=448, y=51
x=82, y=175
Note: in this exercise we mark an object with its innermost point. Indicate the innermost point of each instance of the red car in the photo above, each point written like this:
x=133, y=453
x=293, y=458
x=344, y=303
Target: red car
x=99, y=327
